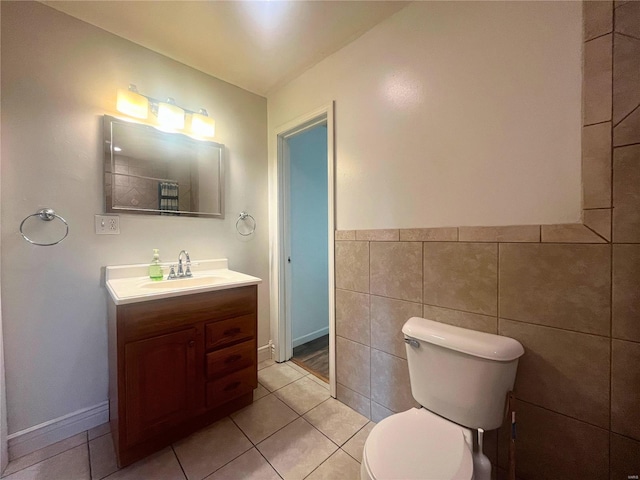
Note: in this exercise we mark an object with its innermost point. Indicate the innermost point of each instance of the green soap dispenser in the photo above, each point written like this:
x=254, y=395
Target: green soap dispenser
x=155, y=270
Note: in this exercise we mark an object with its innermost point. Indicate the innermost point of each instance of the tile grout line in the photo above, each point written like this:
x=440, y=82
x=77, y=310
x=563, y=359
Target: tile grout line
x=89, y=455
x=625, y=35
x=597, y=37
x=227, y=463
x=255, y=445
x=611, y=153
x=604, y=429
x=607, y=241
x=554, y=327
x=180, y=463
x=614, y=125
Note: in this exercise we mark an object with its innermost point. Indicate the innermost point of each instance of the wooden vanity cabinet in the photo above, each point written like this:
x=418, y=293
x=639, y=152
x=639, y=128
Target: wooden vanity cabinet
x=178, y=364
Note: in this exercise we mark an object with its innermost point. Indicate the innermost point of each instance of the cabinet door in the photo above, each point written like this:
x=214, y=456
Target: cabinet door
x=160, y=376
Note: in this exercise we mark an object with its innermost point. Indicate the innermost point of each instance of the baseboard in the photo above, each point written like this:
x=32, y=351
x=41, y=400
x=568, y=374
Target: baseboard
x=39, y=436
x=265, y=352
x=310, y=336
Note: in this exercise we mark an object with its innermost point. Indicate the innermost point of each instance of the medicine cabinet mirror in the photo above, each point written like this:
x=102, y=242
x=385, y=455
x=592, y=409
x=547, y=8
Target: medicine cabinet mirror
x=148, y=171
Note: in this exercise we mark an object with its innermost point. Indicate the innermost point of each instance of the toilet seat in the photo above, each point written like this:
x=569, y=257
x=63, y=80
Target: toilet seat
x=418, y=444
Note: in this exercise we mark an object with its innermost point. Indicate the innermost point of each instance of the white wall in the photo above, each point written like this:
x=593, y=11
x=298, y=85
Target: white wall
x=452, y=113
x=59, y=76
x=309, y=235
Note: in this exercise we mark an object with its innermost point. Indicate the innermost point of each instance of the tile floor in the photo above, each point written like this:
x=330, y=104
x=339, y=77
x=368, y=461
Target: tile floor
x=293, y=430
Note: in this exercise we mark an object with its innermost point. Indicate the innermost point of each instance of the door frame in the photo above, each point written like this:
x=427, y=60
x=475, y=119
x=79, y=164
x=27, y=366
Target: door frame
x=279, y=226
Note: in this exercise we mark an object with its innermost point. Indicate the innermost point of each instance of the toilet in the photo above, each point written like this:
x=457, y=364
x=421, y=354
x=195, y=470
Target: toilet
x=460, y=378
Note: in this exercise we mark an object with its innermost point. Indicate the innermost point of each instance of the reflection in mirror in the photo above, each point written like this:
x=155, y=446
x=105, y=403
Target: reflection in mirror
x=153, y=172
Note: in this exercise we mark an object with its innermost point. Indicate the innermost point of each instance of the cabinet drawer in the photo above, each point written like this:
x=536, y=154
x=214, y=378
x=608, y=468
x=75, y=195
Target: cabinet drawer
x=231, y=359
x=232, y=330
x=144, y=319
x=231, y=386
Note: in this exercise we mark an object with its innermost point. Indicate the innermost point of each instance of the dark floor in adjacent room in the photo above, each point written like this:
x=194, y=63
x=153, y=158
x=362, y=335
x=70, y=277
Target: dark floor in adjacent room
x=313, y=356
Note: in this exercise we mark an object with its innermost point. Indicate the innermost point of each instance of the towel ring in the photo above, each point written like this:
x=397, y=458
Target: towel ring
x=244, y=216
x=46, y=214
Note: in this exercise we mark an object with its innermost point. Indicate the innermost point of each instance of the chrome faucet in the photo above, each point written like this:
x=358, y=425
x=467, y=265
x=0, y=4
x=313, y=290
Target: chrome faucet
x=186, y=272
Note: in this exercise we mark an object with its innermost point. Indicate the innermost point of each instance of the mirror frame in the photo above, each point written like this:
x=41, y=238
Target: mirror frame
x=109, y=166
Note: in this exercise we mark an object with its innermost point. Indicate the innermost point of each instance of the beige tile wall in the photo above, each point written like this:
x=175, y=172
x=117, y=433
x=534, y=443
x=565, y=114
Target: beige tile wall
x=569, y=293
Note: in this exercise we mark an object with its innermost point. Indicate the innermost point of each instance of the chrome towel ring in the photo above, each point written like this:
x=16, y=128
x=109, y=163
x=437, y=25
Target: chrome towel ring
x=46, y=214
x=244, y=216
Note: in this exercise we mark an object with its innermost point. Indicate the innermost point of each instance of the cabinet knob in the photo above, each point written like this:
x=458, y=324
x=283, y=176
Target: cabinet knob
x=192, y=343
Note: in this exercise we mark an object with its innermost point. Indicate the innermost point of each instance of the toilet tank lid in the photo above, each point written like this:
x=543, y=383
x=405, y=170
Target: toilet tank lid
x=471, y=342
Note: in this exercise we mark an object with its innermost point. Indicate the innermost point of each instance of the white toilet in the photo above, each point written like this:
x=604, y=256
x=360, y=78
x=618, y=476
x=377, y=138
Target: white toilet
x=461, y=378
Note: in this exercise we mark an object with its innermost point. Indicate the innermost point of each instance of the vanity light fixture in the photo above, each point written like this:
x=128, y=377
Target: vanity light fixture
x=168, y=114
x=131, y=103
x=202, y=125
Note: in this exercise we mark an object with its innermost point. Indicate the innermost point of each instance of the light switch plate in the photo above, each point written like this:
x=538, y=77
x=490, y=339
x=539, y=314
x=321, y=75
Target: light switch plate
x=107, y=225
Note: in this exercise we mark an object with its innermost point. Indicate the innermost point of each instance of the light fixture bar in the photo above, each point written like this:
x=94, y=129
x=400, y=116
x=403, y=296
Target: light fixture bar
x=169, y=115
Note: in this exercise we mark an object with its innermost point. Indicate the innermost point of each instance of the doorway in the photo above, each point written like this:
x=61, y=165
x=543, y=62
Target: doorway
x=307, y=297
x=303, y=252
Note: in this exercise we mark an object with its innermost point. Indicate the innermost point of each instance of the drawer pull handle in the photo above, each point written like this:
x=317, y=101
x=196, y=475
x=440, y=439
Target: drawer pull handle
x=233, y=358
x=192, y=343
x=232, y=331
x=231, y=386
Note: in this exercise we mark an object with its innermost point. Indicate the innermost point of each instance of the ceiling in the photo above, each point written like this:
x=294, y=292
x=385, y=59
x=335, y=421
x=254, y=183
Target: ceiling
x=256, y=45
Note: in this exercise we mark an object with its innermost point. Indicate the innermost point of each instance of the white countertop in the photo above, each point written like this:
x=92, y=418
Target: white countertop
x=131, y=283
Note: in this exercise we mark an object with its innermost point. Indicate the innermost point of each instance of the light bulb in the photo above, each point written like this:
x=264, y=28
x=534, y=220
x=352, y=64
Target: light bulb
x=170, y=115
x=202, y=125
x=131, y=103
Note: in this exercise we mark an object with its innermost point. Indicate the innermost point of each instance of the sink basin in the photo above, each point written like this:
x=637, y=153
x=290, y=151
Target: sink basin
x=190, y=282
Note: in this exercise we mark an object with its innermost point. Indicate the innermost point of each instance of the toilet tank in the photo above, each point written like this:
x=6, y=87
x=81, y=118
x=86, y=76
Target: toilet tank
x=460, y=374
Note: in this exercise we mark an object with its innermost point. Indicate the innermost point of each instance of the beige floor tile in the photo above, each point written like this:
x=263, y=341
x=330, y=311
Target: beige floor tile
x=336, y=420
x=302, y=395
x=248, y=466
x=70, y=465
x=266, y=363
x=320, y=382
x=102, y=455
x=44, y=453
x=296, y=450
x=162, y=465
x=355, y=445
x=277, y=376
x=263, y=417
x=98, y=431
x=297, y=368
x=210, y=448
x=339, y=465
x=260, y=392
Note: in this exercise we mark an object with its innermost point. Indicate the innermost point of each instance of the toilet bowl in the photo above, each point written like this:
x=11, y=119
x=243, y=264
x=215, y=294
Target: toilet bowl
x=461, y=378
x=417, y=445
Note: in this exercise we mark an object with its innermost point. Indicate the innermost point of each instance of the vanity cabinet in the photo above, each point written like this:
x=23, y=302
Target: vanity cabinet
x=177, y=364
